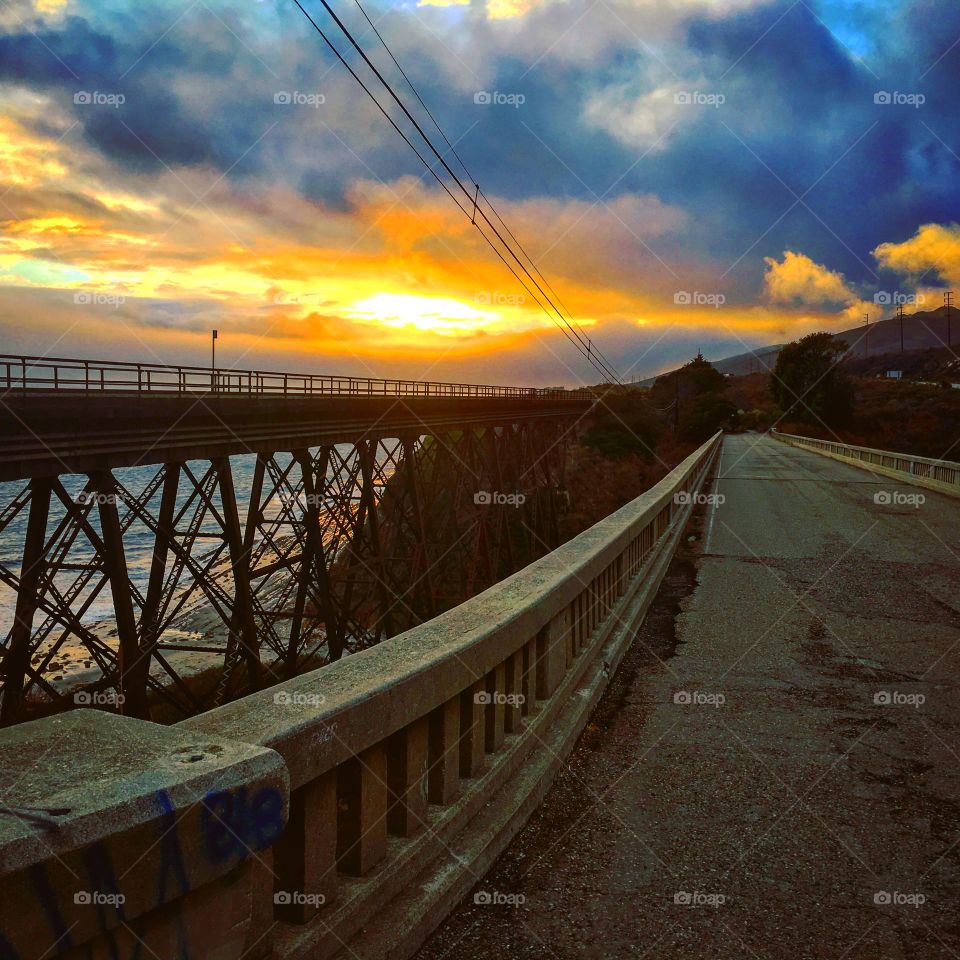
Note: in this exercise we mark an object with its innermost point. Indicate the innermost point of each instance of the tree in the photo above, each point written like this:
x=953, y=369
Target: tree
x=701, y=418
x=694, y=394
x=808, y=382
x=623, y=425
x=693, y=379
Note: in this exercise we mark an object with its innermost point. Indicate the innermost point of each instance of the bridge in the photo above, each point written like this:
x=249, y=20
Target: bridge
x=362, y=511
x=346, y=811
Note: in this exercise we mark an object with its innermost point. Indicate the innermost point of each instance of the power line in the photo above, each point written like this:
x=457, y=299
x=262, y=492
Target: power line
x=330, y=44
x=577, y=329
x=390, y=119
x=437, y=153
x=403, y=72
x=572, y=324
x=572, y=334
x=948, y=302
x=479, y=193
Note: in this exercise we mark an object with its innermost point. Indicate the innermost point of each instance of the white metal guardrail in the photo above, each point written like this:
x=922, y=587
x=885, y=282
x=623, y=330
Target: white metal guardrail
x=942, y=475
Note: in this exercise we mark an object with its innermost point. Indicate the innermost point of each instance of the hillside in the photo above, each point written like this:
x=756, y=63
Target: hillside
x=924, y=330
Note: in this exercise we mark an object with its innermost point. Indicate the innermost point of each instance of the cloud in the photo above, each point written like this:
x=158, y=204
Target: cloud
x=933, y=249
x=799, y=280
x=644, y=120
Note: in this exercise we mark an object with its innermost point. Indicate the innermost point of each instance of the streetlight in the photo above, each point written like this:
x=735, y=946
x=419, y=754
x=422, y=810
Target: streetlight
x=213, y=359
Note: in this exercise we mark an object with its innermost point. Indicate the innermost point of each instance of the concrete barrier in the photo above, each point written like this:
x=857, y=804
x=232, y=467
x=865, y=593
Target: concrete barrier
x=403, y=771
x=121, y=838
x=940, y=475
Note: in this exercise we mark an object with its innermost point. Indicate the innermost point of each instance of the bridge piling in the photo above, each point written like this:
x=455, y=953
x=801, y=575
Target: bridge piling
x=472, y=732
x=362, y=811
x=495, y=714
x=305, y=857
x=17, y=655
x=443, y=773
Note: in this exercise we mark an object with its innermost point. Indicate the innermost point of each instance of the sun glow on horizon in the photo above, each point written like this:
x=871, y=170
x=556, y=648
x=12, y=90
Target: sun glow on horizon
x=441, y=315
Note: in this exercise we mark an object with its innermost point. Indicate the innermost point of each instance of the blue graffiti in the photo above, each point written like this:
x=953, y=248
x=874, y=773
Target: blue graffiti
x=235, y=825
x=171, y=853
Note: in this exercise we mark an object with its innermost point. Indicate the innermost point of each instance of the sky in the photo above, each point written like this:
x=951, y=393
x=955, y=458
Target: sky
x=689, y=175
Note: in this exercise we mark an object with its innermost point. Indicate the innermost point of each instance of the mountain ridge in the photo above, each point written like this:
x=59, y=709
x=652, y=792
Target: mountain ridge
x=922, y=330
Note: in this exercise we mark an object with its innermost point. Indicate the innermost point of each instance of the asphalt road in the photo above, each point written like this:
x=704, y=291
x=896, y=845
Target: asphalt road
x=775, y=769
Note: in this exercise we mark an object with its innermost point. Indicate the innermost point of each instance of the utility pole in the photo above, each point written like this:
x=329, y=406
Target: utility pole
x=948, y=300
x=866, y=320
x=900, y=315
x=213, y=359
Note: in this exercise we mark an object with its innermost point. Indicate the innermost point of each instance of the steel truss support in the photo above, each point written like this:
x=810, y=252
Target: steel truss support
x=162, y=591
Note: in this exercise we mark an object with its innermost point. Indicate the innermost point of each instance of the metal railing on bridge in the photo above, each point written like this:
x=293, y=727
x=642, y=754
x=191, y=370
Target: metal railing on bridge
x=942, y=475
x=26, y=374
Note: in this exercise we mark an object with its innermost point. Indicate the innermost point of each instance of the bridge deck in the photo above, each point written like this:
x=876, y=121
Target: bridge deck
x=47, y=432
x=801, y=800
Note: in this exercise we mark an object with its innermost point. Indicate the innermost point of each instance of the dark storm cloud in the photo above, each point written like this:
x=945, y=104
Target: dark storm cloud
x=801, y=114
x=150, y=127
x=54, y=56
